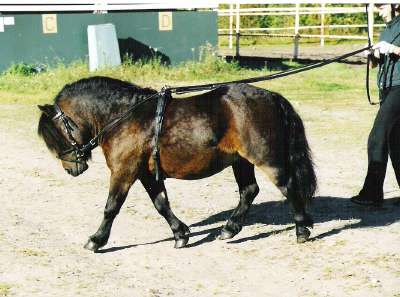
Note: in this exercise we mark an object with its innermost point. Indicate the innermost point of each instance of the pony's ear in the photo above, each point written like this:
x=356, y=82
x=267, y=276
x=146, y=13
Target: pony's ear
x=47, y=109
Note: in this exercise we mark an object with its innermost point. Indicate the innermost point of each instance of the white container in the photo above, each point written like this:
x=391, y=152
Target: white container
x=103, y=46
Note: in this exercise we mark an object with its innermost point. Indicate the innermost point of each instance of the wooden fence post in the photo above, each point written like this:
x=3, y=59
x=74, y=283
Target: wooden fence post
x=237, y=29
x=296, y=32
x=322, y=24
x=230, y=25
x=371, y=21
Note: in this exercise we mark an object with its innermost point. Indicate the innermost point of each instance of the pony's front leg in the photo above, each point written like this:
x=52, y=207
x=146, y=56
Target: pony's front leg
x=158, y=194
x=119, y=188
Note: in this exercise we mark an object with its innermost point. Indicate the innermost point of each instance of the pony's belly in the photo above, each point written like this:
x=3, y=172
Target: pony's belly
x=196, y=166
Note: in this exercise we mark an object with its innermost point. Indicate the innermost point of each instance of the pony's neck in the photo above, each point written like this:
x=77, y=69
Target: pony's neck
x=100, y=115
x=93, y=114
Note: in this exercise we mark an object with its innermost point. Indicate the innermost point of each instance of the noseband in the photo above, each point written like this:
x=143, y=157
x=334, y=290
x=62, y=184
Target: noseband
x=79, y=154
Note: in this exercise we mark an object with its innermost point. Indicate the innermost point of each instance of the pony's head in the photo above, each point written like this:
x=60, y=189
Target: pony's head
x=53, y=129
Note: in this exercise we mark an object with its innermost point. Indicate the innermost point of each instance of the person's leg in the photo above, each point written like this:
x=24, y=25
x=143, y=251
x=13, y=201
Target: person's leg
x=394, y=149
x=378, y=150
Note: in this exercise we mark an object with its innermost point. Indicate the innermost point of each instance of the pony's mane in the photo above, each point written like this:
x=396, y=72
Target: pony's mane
x=98, y=92
x=103, y=88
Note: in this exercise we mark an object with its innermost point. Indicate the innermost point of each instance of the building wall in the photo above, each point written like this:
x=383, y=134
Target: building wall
x=138, y=33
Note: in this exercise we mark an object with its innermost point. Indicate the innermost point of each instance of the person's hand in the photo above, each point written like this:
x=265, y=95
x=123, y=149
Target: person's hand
x=385, y=48
x=368, y=52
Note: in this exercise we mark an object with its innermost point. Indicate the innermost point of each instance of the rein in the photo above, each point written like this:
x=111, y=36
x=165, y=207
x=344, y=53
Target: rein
x=81, y=150
x=368, y=61
x=196, y=88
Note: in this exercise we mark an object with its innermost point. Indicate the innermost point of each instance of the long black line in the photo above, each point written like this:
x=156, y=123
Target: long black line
x=194, y=88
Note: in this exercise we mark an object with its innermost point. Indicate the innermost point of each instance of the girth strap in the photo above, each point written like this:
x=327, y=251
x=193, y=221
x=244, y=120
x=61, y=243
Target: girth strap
x=163, y=99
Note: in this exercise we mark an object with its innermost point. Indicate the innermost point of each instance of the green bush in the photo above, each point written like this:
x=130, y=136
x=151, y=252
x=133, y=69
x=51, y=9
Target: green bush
x=25, y=69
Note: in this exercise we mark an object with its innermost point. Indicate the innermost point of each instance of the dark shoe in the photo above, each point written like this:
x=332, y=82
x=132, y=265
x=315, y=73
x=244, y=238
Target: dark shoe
x=367, y=201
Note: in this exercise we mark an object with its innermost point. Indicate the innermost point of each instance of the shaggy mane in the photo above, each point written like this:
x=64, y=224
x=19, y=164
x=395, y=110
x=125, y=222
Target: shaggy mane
x=106, y=94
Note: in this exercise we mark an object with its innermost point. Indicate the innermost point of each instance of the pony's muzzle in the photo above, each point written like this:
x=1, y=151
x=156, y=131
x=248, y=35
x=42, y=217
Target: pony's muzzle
x=77, y=170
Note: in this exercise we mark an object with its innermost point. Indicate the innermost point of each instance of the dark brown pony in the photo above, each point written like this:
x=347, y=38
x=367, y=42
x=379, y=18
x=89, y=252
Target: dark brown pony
x=235, y=125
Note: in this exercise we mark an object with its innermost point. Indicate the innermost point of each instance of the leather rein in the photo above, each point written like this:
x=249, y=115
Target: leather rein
x=81, y=151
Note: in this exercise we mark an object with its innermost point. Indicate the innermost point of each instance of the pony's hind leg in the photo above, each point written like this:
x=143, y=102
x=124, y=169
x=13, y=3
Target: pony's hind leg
x=279, y=176
x=158, y=194
x=119, y=187
x=301, y=218
x=248, y=189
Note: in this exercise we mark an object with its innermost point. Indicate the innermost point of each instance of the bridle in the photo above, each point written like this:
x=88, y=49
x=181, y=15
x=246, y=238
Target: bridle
x=79, y=154
x=81, y=151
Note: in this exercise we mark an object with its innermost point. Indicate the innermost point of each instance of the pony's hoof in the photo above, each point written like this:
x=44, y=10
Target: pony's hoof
x=91, y=246
x=303, y=236
x=225, y=234
x=181, y=242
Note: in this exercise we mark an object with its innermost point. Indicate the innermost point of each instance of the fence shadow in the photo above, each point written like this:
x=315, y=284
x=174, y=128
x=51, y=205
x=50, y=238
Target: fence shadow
x=278, y=64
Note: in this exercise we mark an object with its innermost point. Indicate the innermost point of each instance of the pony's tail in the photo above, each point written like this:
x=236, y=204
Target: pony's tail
x=300, y=168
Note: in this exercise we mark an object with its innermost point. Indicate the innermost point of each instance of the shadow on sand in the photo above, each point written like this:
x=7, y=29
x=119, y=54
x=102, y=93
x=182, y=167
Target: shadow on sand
x=324, y=209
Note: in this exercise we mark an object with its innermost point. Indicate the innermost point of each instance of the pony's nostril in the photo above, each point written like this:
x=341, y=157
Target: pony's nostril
x=68, y=171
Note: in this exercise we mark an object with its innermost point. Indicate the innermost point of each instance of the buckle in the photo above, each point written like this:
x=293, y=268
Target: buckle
x=92, y=142
x=58, y=115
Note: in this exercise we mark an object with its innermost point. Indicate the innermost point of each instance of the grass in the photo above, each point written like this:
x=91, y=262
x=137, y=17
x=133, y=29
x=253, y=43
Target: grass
x=338, y=82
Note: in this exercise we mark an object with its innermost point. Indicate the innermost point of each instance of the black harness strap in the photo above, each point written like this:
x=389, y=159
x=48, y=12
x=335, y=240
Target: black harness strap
x=163, y=99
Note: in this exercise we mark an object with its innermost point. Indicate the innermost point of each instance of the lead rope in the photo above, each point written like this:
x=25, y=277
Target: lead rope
x=82, y=150
x=368, y=61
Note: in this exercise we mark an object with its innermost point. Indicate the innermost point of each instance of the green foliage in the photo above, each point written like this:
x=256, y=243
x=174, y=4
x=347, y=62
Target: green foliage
x=25, y=69
x=41, y=87
x=336, y=82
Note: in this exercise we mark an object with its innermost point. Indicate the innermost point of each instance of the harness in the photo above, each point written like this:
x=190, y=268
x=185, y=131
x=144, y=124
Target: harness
x=68, y=127
x=163, y=99
x=81, y=151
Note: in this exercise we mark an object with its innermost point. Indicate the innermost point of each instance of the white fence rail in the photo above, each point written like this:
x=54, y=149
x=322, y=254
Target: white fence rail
x=235, y=11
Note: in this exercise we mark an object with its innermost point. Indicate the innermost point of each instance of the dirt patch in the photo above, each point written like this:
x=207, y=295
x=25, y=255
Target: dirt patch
x=46, y=217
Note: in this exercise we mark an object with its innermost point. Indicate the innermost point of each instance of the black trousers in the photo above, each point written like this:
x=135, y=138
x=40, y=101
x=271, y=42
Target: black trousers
x=384, y=140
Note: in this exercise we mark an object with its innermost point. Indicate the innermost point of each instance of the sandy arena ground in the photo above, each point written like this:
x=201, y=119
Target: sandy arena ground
x=46, y=217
